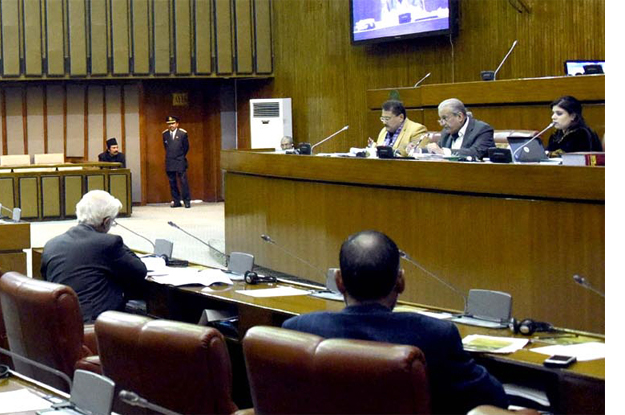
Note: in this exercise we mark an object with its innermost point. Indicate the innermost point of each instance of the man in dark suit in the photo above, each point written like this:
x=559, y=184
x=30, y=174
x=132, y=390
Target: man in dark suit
x=112, y=153
x=176, y=142
x=371, y=280
x=98, y=266
x=462, y=134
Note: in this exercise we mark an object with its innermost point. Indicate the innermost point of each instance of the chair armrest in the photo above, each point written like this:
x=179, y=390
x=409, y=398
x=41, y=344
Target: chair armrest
x=90, y=364
x=89, y=341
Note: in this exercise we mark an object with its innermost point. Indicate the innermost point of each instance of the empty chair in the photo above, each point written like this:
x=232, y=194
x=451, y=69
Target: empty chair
x=180, y=366
x=299, y=373
x=43, y=323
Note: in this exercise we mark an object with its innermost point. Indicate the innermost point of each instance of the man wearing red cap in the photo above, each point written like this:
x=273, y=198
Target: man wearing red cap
x=176, y=142
x=112, y=153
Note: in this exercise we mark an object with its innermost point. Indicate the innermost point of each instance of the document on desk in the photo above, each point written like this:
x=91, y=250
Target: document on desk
x=274, y=292
x=492, y=344
x=21, y=400
x=191, y=276
x=582, y=351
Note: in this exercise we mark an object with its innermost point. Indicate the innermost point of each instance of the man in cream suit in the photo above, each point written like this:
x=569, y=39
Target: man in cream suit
x=398, y=130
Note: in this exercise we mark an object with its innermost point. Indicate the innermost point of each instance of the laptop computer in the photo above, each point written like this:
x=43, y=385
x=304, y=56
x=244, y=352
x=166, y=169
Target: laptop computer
x=526, y=150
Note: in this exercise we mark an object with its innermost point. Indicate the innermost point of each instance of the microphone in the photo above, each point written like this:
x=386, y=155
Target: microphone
x=422, y=79
x=407, y=257
x=492, y=75
x=531, y=139
x=327, y=138
x=38, y=365
x=16, y=213
x=268, y=239
x=115, y=223
x=584, y=283
x=222, y=256
x=133, y=399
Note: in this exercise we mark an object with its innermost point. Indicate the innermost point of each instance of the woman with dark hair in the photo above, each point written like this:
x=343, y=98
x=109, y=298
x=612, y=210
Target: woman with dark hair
x=572, y=132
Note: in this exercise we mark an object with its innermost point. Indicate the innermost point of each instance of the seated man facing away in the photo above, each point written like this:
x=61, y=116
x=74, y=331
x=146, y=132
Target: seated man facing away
x=462, y=134
x=98, y=266
x=371, y=280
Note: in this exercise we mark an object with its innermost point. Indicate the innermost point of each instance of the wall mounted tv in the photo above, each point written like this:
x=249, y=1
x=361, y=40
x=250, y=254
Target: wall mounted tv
x=387, y=20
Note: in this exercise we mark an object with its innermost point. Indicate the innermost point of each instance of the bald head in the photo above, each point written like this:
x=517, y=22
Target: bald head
x=369, y=265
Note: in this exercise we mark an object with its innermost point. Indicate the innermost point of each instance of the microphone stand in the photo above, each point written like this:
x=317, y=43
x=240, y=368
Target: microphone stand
x=407, y=257
x=131, y=231
x=504, y=59
x=531, y=139
x=221, y=254
x=38, y=365
x=421, y=80
x=133, y=399
x=327, y=138
x=584, y=283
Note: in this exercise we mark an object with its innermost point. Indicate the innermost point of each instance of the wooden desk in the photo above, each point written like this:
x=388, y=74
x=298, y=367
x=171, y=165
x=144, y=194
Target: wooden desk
x=579, y=389
x=522, y=229
x=17, y=382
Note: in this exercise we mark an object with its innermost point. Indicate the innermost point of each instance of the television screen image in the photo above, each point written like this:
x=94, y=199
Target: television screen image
x=383, y=20
x=578, y=67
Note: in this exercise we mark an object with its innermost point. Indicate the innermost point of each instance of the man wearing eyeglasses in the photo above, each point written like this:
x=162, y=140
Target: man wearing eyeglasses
x=462, y=134
x=398, y=130
x=95, y=264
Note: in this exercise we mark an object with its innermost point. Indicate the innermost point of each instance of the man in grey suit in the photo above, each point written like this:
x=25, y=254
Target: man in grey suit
x=462, y=134
x=176, y=142
x=98, y=266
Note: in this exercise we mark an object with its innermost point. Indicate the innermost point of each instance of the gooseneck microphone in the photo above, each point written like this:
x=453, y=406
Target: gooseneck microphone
x=133, y=399
x=115, y=223
x=327, y=138
x=222, y=256
x=531, y=139
x=16, y=213
x=407, y=257
x=584, y=283
x=422, y=79
x=504, y=59
x=172, y=224
x=38, y=365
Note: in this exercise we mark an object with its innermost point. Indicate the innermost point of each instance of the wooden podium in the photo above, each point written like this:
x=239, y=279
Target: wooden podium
x=14, y=238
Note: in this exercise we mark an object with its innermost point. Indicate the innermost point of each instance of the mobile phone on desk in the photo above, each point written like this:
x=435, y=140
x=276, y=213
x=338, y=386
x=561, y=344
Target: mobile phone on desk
x=559, y=361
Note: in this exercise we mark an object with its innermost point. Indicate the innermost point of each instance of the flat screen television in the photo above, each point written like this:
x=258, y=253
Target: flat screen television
x=579, y=67
x=386, y=20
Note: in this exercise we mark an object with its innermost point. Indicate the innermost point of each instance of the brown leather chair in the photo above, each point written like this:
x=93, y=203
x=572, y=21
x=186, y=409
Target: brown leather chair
x=182, y=367
x=43, y=323
x=300, y=373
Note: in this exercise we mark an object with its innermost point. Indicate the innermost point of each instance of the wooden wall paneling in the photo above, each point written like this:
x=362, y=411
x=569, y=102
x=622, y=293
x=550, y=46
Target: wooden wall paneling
x=96, y=121
x=55, y=37
x=98, y=37
x=113, y=113
x=51, y=196
x=183, y=36
x=77, y=34
x=243, y=26
x=14, y=120
x=3, y=109
x=9, y=10
x=28, y=188
x=203, y=37
x=263, y=36
x=223, y=36
x=55, y=96
x=75, y=120
x=161, y=29
x=140, y=37
x=132, y=149
x=32, y=38
x=311, y=41
x=35, y=119
x=120, y=37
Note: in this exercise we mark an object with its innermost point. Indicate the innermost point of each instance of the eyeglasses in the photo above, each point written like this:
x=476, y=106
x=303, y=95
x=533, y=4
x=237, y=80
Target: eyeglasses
x=386, y=119
x=442, y=120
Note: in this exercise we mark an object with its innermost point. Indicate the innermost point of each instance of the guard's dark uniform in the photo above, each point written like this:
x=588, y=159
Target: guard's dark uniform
x=176, y=149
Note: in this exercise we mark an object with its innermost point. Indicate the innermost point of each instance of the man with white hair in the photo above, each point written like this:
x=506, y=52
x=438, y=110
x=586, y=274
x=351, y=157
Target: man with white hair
x=97, y=265
x=462, y=134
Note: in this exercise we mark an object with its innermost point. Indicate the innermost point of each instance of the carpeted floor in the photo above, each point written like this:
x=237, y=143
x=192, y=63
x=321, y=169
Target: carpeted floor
x=203, y=220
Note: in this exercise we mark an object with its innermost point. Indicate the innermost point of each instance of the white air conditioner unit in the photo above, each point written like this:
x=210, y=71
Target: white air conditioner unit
x=270, y=120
